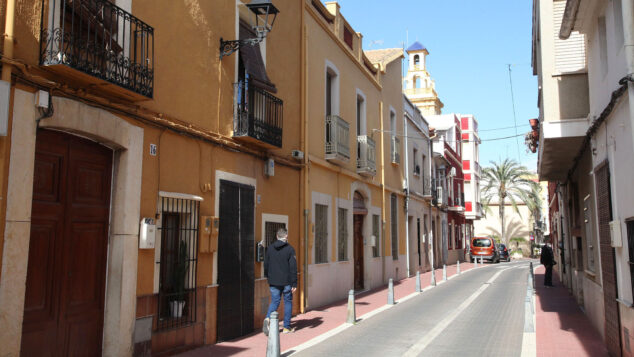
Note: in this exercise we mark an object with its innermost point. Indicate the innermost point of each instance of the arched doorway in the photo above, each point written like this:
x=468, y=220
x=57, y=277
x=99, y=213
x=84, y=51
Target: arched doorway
x=66, y=275
x=359, y=213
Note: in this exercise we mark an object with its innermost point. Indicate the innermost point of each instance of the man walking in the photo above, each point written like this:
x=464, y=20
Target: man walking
x=548, y=260
x=280, y=268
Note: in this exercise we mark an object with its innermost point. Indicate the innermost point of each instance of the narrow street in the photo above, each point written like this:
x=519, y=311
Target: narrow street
x=480, y=313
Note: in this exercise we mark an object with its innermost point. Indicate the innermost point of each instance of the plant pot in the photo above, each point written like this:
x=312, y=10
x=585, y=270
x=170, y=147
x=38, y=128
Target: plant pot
x=176, y=308
x=534, y=122
x=535, y=134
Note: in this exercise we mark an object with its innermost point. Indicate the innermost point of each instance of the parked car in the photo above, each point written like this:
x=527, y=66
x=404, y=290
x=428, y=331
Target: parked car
x=485, y=248
x=503, y=251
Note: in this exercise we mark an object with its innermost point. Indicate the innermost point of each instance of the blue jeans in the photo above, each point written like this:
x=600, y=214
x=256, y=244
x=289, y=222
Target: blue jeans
x=276, y=295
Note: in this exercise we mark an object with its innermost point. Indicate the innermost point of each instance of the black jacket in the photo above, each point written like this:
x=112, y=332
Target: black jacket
x=547, y=257
x=280, y=265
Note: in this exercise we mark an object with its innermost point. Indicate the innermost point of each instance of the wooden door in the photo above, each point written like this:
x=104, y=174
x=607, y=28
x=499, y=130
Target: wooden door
x=358, y=251
x=608, y=262
x=65, y=286
x=236, y=257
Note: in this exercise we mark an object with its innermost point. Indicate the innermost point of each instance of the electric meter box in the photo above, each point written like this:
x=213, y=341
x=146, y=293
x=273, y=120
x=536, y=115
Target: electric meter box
x=147, y=233
x=209, y=226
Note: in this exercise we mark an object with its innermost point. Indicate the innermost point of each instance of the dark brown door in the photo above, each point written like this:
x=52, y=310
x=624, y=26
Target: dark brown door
x=358, y=251
x=65, y=286
x=236, y=261
x=608, y=263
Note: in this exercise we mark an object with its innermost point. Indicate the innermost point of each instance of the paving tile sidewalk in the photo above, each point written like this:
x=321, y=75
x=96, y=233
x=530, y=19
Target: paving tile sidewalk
x=317, y=322
x=562, y=328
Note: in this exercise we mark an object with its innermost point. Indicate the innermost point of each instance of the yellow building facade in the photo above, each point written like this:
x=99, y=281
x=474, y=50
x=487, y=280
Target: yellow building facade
x=123, y=121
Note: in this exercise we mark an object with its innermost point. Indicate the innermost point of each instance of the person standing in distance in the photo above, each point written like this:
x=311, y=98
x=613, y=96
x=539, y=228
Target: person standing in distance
x=548, y=259
x=280, y=268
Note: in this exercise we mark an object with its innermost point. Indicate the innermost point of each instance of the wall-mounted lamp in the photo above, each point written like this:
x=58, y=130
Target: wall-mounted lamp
x=262, y=22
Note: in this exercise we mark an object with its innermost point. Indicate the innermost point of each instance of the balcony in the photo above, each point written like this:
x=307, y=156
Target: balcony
x=97, y=44
x=366, y=157
x=395, y=148
x=337, y=139
x=257, y=116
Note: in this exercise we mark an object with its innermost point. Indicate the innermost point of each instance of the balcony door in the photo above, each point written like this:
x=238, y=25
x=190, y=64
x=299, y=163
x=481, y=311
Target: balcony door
x=65, y=285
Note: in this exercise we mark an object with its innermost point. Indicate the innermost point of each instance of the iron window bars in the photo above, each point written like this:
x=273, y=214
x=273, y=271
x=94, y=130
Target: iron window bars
x=257, y=113
x=100, y=39
x=179, y=247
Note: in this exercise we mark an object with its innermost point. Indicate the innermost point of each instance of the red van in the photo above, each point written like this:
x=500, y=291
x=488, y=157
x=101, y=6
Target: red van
x=485, y=248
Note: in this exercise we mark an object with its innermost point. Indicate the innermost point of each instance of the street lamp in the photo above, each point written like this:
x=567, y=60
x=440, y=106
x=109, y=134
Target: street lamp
x=264, y=14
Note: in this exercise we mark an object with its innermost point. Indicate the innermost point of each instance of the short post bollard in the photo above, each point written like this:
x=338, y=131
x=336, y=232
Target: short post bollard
x=458, y=267
x=475, y=262
x=481, y=261
x=273, y=344
x=390, y=292
x=433, y=277
x=418, y=282
x=352, y=313
x=444, y=272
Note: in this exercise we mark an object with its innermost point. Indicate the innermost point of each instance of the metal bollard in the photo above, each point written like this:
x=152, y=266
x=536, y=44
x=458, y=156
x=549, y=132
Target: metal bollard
x=418, y=282
x=352, y=313
x=458, y=267
x=273, y=344
x=433, y=277
x=481, y=261
x=444, y=272
x=475, y=262
x=390, y=292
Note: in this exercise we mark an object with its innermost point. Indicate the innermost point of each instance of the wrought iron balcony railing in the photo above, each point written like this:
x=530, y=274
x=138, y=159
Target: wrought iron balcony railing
x=101, y=40
x=366, y=160
x=257, y=115
x=396, y=145
x=337, y=139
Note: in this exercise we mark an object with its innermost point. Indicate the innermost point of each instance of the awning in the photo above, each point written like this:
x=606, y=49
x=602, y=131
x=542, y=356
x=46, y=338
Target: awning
x=253, y=63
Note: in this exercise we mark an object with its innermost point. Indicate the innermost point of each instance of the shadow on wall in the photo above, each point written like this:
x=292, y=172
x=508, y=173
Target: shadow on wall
x=514, y=228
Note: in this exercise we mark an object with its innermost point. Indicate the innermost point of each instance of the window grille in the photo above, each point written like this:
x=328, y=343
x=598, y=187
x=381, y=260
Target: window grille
x=270, y=231
x=376, y=231
x=342, y=234
x=394, y=214
x=179, y=244
x=321, y=234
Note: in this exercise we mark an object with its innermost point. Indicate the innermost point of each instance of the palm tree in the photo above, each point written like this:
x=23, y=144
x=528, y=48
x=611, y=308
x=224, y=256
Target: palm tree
x=508, y=180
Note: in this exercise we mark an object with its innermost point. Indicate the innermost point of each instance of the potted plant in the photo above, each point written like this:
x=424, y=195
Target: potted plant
x=179, y=274
x=534, y=123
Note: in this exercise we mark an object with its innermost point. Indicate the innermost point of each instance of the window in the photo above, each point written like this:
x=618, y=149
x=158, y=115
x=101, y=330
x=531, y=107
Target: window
x=178, y=259
x=415, y=165
x=569, y=54
x=321, y=234
x=270, y=231
x=587, y=216
x=347, y=36
x=630, y=248
x=603, y=45
x=416, y=60
x=376, y=232
x=360, y=115
x=332, y=89
x=618, y=24
x=394, y=224
x=342, y=234
x=329, y=80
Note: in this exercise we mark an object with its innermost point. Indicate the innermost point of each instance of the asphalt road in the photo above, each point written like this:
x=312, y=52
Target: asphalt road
x=479, y=313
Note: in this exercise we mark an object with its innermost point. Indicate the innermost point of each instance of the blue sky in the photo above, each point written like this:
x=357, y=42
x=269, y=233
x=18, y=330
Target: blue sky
x=470, y=44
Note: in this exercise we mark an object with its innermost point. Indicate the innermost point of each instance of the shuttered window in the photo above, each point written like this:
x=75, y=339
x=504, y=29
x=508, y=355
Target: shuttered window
x=342, y=234
x=377, y=234
x=570, y=54
x=394, y=225
x=321, y=233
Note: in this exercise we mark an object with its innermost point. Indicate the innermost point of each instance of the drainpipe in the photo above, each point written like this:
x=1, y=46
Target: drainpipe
x=406, y=189
x=627, y=9
x=304, y=172
x=381, y=133
x=8, y=39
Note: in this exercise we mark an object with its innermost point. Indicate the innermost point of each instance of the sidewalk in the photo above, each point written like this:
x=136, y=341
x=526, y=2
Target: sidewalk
x=317, y=322
x=562, y=328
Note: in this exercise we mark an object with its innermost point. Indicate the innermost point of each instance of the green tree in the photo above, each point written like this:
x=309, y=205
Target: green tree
x=508, y=181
